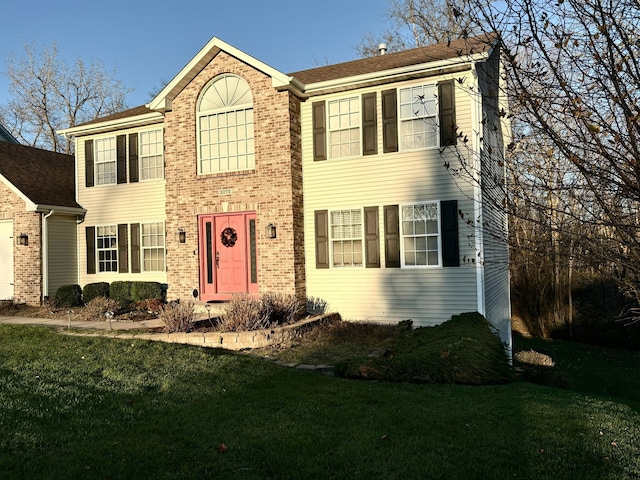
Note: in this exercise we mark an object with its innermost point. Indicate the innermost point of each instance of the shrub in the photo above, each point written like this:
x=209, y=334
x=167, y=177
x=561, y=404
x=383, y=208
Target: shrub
x=178, y=317
x=146, y=290
x=151, y=305
x=98, y=306
x=93, y=290
x=246, y=312
x=317, y=306
x=120, y=291
x=536, y=367
x=69, y=296
x=462, y=350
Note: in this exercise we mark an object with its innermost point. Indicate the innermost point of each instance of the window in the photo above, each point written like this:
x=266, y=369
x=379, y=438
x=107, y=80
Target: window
x=346, y=238
x=105, y=158
x=420, y=230
x=107, y=248
x=225, y=126
x=418, y=117
x=151, y=160
x=344, y=127
x=153, y=247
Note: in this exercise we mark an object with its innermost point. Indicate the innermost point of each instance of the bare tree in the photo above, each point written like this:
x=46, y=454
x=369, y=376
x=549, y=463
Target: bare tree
x=48, y=95
x=416, y=23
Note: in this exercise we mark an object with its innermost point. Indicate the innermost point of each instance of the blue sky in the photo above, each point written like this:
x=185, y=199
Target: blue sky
x=148, y=42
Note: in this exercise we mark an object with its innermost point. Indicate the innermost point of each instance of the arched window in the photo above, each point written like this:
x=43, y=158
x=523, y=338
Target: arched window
x=225, y=126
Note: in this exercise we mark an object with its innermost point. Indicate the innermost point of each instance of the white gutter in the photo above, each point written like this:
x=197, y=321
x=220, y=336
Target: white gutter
x=120, y=123
x=45, y=254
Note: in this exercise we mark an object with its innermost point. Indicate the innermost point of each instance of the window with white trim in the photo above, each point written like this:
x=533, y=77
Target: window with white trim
x=105, y=160
x=107, y=248
x=225, y=126
x=153, y=247
x=151, y=154
x=346, y=238
x=418, y=108
x=420, y=231
x=344, y=127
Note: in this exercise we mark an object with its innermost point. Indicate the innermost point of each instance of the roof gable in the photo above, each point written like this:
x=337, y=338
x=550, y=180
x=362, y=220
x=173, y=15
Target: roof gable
x=39, y=176
x=163, y=100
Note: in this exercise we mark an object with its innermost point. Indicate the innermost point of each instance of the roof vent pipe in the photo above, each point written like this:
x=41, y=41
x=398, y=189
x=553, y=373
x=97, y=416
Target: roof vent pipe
x=382, y=48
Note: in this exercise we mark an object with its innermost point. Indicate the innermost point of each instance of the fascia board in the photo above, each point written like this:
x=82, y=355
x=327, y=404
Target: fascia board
x=387, y=76
x=120, y=123
x=163, y=100
x=29, y=204
x=61, y=210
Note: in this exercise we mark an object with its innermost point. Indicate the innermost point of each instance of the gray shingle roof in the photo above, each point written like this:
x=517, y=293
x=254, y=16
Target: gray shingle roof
x=44, y=177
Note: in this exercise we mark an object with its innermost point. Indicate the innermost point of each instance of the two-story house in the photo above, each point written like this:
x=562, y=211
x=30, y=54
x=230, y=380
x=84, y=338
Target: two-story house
x=365, y=184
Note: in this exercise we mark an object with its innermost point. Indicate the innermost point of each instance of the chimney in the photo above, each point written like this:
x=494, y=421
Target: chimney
x=382, y=48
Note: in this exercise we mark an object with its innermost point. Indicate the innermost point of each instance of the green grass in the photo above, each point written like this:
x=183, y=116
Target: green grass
x=91, y=407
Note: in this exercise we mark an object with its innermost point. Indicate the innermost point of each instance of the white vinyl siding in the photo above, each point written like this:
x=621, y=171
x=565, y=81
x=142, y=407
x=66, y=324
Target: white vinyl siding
x=427, y=296
x=125, y=203
x=62, y=252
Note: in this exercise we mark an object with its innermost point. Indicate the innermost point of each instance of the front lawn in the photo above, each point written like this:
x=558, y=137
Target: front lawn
x=91, y=407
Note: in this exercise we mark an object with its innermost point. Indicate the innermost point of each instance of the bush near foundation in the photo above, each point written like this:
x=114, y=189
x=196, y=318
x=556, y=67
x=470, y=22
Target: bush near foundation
x=147, y=290
x=120, y=291
x=94, y=290
x=69, y=296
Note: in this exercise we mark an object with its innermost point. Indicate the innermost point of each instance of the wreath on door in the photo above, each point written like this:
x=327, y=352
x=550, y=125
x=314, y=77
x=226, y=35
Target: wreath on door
x=228, y=237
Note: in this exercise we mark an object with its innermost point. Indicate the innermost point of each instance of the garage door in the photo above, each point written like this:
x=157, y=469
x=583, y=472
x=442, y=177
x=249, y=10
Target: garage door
x=6, y=260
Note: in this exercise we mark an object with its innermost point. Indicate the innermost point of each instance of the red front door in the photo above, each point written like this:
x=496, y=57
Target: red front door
x=228, y=255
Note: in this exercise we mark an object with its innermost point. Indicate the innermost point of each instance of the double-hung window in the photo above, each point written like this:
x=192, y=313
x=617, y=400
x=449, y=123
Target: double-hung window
x=153, y=247
x=346, y=238
x=344, y=127
x=418, y=117
x=420, y=230
x=107, y=248
x=151, y=150
x=105, y=160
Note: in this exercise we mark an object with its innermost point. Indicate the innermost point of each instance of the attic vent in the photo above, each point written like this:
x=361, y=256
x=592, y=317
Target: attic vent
x=382, y=48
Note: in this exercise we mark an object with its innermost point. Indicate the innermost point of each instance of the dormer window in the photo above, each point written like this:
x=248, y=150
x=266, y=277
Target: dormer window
x=225, y=126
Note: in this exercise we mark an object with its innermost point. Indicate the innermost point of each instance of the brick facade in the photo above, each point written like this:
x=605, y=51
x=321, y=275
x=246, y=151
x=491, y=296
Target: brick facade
x=273, y=189
x=27, y=263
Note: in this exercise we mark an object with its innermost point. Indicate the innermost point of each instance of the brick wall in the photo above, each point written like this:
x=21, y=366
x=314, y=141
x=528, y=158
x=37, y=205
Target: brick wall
x=27, y=264
x=273, y=189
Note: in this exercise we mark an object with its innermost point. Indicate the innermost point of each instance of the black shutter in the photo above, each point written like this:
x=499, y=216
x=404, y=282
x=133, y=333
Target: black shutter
x=135, y=248
x=123, y=248
x=389, y=121
x=134, y=175
x=88, y=164
x=121, y=158
x=90, y=233
x=371, y=237
x=369, y=124
x=319, y=131
x=391, y=236
x=447, y=107
x=449, y=227
x=322, y=238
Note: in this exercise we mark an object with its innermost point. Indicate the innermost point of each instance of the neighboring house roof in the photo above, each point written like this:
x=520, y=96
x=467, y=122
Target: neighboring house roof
x=306, y=82
x=5, y=136
x=43, y=178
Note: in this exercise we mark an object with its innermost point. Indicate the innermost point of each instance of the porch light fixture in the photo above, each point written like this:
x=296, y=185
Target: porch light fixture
x=182, y=235
x=271, y=231
x=23, y=239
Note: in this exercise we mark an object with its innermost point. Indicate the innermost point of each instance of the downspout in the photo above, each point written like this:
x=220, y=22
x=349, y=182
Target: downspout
x=45, y=254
